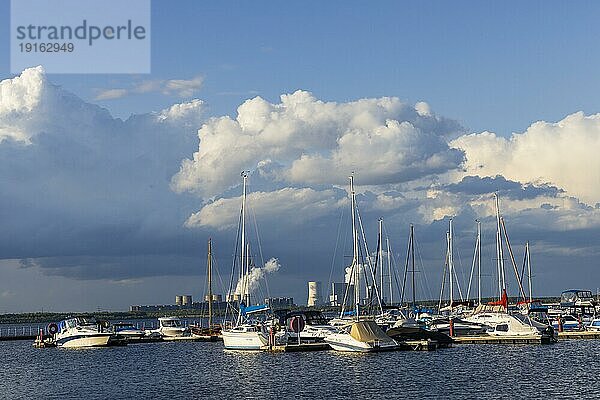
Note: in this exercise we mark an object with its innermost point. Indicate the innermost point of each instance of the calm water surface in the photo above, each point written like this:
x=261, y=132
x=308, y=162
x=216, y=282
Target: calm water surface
x=204, y=370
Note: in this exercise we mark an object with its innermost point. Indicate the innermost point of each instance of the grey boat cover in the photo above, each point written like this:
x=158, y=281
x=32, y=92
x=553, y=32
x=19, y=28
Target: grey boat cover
x=369, y=331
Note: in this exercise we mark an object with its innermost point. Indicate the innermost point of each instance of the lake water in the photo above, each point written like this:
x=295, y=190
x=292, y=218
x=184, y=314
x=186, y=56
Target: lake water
x=187, y=370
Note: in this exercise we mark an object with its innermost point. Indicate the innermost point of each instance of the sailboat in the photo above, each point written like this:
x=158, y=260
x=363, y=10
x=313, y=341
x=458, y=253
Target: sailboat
x=246, y=333
x=456, y=309
x=359, y=335
x=213, y=332
x=410, y=328
x=495, y=314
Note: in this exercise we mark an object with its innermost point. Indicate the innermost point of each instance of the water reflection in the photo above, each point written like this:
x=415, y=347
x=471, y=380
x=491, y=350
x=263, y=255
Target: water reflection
x=204, y=370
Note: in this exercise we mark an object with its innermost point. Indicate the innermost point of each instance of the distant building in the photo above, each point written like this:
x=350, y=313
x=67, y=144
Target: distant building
x=338, y=290
x=182, y=302
x=215, y=297
x=314, y=294
x=278, y=303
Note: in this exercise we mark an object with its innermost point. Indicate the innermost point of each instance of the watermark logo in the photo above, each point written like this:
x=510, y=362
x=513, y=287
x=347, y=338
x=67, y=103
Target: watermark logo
x=80, y=36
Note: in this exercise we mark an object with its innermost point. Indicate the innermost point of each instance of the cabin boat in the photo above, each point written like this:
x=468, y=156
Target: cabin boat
x=594, y=325
x=249, y=336
x=82, y=332
x=316, y=326
x=460, y=327
x=569, y=323
x=169, y=327
x=361, y=336
x=127, y=330
x=501, y=323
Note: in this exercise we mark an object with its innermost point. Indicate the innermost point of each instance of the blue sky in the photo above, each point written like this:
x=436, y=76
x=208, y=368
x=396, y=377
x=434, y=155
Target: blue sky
x=492, y=66
x=120, y=219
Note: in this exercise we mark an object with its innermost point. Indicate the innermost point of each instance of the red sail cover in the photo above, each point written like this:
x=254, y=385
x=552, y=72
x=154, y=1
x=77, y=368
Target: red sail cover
x=502, y=302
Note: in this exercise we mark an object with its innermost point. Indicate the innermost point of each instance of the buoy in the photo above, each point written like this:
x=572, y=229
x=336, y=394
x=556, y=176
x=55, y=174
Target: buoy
x=53, y=329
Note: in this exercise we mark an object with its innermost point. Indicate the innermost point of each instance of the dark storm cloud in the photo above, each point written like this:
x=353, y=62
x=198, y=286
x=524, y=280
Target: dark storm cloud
x=475, y=185
x=89, y=195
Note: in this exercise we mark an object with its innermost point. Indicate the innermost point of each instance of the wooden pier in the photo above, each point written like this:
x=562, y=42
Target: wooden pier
x=578, y=335
x=418, y=345
x=488, y=339
x=297, y=347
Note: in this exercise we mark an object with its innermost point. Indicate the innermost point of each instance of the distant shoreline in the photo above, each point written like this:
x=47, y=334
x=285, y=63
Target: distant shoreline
x=42, y=317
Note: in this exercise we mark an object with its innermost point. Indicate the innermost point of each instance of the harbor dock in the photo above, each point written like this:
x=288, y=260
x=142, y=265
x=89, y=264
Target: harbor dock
x=488, y=339
x=297, y=347
x=569, y=335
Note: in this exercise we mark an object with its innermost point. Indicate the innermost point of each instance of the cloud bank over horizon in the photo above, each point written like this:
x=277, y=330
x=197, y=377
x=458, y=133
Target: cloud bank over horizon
x=92, y=197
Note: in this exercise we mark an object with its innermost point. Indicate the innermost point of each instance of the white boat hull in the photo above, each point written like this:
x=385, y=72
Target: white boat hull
x=94, y=340
x=244, y=340
x=345, y=342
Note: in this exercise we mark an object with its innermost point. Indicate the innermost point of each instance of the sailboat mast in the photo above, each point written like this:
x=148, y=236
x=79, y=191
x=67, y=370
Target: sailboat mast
x=209, y=277
x=356, y=273
x=478, y=261
x=412, y=250
x=243, y=267
x=528, y=271
x=451, y=263
x=248, y=261
x=389, y=265
x=380, y=254
x=500, y=261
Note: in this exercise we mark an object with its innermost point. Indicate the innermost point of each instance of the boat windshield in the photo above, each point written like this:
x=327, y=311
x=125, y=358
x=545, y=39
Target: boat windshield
x=171, y=323
x=585, y=294
x=86, y=321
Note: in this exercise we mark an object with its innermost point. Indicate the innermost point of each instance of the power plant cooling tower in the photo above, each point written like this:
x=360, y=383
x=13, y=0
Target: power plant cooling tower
x=314, y=294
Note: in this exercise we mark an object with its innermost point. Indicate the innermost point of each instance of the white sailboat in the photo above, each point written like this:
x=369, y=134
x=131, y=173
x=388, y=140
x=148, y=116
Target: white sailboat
x=245, y=334
x=495, y=314
x=358, y=335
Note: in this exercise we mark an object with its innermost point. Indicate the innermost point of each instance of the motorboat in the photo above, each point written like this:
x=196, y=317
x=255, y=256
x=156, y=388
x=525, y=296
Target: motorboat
x=460, y=327
x=594, y=325
x=407, y=333
x=82, y=332
x=361, y=336
x=569, y=323
x=315, y=329
x=127, y=330
x=169, y=327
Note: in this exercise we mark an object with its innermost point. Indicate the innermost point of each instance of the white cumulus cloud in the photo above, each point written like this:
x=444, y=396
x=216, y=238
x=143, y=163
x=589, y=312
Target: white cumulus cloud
x=290, y=204
x=564, y=153
x=384, y=140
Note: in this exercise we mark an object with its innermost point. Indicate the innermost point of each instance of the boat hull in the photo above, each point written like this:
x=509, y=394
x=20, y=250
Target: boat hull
x=96, y=340
x=244, y=340
x=345, y=342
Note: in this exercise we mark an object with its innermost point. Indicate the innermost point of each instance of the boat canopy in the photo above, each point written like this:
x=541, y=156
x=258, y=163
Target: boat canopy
x=369, y=331
x=253, y=309
x=574, y=298
x=482, y=308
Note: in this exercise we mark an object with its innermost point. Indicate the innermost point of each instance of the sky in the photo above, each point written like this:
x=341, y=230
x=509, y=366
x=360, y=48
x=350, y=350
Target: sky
x=111, y=184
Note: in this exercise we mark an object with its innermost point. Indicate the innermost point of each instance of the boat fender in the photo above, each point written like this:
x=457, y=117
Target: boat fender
x=53, y=329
